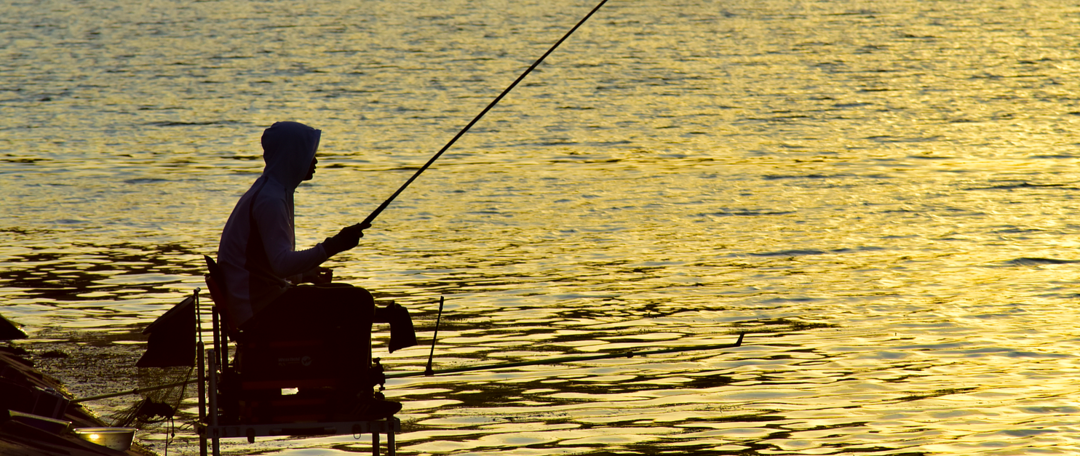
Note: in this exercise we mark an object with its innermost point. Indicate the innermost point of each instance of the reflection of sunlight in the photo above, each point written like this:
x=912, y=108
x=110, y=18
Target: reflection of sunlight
x=880, y=196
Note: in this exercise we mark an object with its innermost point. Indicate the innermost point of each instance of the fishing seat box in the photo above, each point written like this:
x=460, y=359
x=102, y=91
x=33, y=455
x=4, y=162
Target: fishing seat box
x=312, y=367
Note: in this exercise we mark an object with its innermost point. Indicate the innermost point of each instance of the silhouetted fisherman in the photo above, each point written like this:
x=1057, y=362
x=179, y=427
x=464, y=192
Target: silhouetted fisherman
x=262, y=269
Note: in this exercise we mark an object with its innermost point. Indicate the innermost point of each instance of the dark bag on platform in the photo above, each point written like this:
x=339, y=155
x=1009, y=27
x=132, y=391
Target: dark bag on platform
x=402, y=334
x=172, y=338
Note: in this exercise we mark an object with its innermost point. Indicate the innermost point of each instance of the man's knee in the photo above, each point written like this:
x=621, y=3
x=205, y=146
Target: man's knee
x=360, y=300
x=363, y=298
x=345, y=292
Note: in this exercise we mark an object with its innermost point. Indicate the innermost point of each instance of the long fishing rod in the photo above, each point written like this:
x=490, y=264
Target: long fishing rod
x=370, y=218
x=565, y=359
x=386, y=203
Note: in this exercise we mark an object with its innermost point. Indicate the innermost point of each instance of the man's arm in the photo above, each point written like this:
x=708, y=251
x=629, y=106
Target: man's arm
x=275, y=229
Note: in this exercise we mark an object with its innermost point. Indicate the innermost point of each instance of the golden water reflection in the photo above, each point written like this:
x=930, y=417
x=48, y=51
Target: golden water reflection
x=879, y=195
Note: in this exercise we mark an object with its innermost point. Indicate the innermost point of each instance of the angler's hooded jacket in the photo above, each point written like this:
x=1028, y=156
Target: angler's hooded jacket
x=257, y=254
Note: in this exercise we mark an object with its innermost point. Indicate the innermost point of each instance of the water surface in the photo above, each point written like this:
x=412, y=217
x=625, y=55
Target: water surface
x=881, y=196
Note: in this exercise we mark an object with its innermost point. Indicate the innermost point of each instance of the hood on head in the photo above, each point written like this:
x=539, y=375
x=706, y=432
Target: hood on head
x=288, y=148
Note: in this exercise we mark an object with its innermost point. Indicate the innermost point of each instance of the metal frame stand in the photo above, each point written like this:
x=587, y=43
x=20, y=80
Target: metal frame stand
x=211, y=431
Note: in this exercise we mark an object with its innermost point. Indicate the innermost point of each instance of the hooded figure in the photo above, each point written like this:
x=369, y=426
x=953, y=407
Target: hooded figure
x=257, y=254
x=261, y=270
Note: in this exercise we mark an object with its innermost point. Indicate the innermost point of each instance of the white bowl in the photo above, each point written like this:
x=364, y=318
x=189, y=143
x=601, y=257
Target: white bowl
x=117, y=438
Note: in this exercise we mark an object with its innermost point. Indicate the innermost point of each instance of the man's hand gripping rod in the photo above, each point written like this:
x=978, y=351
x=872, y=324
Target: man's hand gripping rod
x=386, y=203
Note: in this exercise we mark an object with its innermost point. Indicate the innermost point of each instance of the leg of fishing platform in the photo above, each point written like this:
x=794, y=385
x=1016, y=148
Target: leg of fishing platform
x=390, y=437
x=202, y=399
x=200, y=350
x=375, y=442
x=213, y=404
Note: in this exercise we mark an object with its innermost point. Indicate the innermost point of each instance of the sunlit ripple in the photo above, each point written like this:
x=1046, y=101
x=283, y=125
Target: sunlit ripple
x=880, y=195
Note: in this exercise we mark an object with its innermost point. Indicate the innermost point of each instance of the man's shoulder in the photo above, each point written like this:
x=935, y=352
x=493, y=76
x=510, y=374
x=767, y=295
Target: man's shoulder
x=271, y=192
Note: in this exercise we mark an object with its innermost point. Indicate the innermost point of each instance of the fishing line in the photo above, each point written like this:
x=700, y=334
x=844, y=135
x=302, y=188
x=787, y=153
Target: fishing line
x=453, y=370
x=367, y=221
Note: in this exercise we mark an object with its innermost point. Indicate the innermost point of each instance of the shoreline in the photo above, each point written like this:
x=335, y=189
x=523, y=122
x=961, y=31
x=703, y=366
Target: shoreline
x=22, y=378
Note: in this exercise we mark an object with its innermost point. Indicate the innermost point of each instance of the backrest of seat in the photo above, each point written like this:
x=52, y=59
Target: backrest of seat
x=215, y=283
